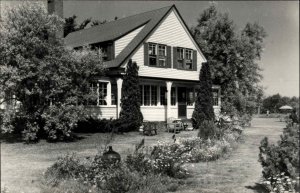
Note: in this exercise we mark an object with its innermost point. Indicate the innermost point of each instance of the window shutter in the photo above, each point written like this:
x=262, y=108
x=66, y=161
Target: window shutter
x=146, y=54
x=195, y=60
x=168, y=57
x=175, y=65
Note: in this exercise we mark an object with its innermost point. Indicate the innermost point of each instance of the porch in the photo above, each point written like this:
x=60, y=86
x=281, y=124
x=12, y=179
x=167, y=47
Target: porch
x=160, y=99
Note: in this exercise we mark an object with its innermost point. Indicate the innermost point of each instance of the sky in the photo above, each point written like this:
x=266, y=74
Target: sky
x=280, y=19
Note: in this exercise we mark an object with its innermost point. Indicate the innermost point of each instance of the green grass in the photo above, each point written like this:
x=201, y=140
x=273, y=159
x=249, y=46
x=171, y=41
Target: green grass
x=22, y=165
x=240, y=172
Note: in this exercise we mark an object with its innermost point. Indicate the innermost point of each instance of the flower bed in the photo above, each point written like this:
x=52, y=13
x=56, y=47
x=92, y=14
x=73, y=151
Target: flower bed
x=158, y=168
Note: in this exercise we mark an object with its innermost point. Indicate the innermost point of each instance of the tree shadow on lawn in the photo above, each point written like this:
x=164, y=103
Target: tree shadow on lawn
x=258, y=188
x=17, y=138
x=10, y=138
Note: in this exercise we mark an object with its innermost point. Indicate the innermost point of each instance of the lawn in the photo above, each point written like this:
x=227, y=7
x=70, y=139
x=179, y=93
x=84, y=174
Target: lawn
x=239, y=172
x=22, y=165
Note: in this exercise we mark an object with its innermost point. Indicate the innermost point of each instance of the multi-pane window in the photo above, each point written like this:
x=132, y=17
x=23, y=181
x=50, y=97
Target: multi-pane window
x=152, y=55
x=114, y=92
x=102, y=93
x=162, y=54
x=185, y=58
x=149, y=95
x=173, y=96
x=141, y=95
x=146, y=95
x=188, y=59
x=216, y=97
x=104, y=53
x=180, y=57
x=157, y=55
x=163, y=99
x=153, y=95
x=190, y=96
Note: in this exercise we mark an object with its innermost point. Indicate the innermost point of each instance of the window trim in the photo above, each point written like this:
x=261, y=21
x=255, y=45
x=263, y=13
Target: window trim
x=194, y=97
x=157, y=56
x=150, y=94
x=184, y=59
x=98, y=97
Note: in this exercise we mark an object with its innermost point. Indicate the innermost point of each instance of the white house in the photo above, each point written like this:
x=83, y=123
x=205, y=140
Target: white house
x=168, y=57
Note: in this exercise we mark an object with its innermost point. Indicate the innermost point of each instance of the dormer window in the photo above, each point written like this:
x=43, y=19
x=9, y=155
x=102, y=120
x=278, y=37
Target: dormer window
x=107, y=50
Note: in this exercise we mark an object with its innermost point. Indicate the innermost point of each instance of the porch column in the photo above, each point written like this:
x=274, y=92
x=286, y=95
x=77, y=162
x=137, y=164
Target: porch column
x=119, y=95
x=169, y=86
x=108, y=97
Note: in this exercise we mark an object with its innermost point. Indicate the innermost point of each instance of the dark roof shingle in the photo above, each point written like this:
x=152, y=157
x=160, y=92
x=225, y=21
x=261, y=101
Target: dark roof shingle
x=116, y=29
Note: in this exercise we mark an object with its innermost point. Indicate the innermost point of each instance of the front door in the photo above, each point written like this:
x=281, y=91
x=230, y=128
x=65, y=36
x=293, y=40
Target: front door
x=181, y=93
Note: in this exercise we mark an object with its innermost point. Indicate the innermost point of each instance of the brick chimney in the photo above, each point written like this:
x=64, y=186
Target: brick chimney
x=56, y=7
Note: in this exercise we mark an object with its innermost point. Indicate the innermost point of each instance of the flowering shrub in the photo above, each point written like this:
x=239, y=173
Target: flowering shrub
x=282, y=159
x=95, y=175
x=148, y=169
x=281, y=184
x=67, y=167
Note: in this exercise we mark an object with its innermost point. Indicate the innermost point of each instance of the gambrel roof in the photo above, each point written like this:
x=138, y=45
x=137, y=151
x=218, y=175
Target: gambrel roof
x=114, y=30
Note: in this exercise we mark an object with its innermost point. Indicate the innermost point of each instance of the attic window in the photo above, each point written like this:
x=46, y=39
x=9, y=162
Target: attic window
x=157, y=55
x=184, y=58
x=152, y=55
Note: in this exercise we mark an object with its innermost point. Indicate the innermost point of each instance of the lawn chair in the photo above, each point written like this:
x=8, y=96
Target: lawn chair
x=174, y=125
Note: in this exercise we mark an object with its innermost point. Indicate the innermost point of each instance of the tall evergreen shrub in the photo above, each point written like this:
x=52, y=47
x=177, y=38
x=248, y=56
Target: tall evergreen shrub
x=131, y=117
x=204, y=102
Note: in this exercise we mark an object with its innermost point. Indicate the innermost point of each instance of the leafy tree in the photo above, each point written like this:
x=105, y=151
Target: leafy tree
x=274, y=102
x=204, y=102
x=50, y=82
x=130, y=115
x=71, y=25
x=233, y=57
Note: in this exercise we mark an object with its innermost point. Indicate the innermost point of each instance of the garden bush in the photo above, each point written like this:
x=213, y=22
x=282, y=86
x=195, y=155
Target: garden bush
x=158, y=168
x=95, y=175
x=65, y=168
x=93, y=125
x=207, y=130
x=281, y=158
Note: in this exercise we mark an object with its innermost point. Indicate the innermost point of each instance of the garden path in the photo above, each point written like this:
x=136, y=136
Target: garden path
x=240, y=172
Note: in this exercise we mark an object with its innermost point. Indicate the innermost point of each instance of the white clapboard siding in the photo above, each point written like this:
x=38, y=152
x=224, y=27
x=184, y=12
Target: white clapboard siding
x=121, y=43
x=103, y=112
x=153, y=113
x=172, y=33
x=174, y=112
x=189, y=112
